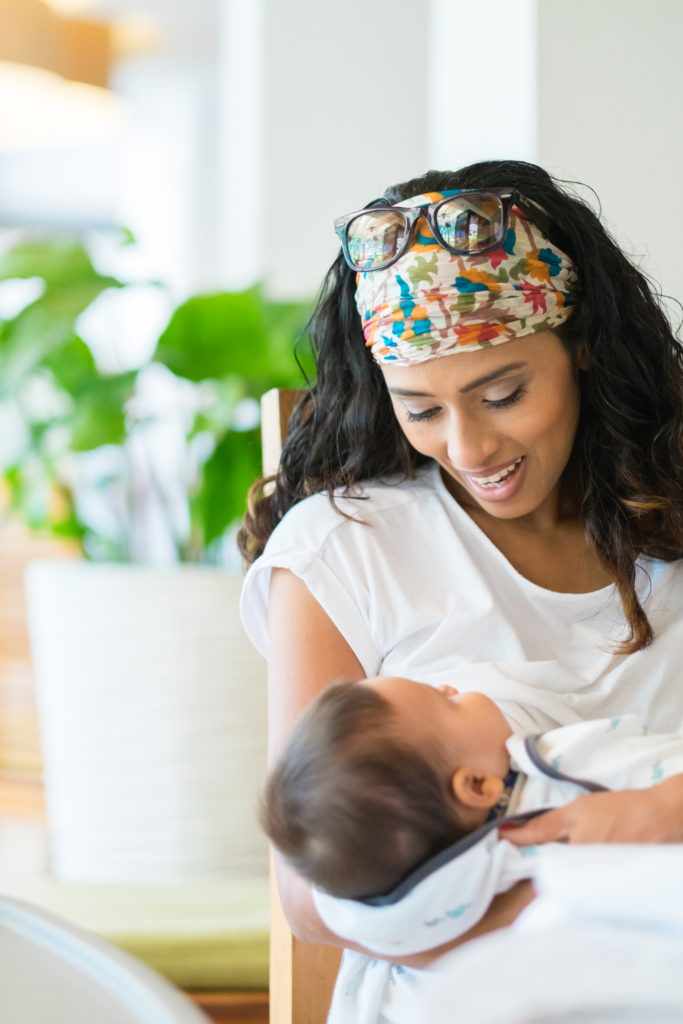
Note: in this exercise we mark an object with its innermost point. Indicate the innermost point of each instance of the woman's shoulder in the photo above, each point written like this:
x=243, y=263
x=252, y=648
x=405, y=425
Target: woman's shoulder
x=310, y=523
x=334, y=549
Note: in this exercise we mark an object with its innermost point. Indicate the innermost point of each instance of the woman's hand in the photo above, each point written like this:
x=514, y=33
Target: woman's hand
x=632, y=816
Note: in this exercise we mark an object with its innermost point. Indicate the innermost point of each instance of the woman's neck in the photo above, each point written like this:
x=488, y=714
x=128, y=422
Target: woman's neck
x=547, y=546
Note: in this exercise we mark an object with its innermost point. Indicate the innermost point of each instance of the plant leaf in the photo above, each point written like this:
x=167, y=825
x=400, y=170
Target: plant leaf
x=99, y=414
x=60, y=263
x=73, y=366
x=210, y=336
x=228, y=475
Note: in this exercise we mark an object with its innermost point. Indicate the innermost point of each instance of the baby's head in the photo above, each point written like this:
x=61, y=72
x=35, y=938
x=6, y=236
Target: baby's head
x=379, y=776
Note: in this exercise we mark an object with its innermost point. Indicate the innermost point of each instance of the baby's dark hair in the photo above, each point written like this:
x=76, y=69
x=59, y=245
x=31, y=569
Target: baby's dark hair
x=351, y=806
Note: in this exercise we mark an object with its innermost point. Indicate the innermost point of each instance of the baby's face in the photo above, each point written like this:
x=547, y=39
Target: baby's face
x=459, y=727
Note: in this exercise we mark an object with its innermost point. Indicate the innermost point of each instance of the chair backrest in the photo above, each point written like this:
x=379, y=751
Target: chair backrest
x=51, y=971
x=302, y=975
x=276, y=410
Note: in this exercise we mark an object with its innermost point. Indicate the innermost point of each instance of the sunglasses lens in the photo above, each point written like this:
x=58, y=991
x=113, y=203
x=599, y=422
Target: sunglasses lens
x=374, y=238
x=471, y=223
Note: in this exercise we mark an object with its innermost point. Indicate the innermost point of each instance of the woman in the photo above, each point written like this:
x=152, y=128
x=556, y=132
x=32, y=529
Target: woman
x=505, y=491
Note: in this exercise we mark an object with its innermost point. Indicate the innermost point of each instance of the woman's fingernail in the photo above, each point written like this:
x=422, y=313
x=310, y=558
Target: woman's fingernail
x=508, y=827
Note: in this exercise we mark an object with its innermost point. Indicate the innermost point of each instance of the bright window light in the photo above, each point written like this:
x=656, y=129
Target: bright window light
x=42, y=110
x=70, y=8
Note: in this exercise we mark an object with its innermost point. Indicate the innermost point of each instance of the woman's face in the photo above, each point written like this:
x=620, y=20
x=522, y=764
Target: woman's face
x=500, y=421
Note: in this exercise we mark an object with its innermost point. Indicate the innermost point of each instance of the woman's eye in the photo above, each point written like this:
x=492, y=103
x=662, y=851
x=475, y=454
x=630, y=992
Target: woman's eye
x=416, y=417
x=504, y=403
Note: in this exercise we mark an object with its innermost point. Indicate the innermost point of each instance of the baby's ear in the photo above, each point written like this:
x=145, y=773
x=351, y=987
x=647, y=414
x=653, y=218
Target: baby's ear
x=476, y=789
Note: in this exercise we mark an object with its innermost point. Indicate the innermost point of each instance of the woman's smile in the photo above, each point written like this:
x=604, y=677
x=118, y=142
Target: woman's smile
x=498, y=483
x=501, y=430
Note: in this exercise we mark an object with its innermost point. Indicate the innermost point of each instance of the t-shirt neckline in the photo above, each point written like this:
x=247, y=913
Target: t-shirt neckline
x=486, y=541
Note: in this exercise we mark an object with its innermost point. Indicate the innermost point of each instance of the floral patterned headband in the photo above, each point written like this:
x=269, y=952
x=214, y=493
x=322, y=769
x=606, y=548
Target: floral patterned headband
x=432, y=303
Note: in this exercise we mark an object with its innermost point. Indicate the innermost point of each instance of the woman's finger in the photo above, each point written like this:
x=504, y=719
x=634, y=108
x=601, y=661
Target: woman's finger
x=552, y=827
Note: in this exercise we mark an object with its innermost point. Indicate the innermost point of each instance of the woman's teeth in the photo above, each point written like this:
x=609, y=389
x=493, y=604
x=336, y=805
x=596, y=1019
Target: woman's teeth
x=497, y=478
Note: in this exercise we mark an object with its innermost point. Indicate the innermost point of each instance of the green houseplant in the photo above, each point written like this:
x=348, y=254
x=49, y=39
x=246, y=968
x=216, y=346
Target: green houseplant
x=228, y=348
x=245, y=346
x=150, y=661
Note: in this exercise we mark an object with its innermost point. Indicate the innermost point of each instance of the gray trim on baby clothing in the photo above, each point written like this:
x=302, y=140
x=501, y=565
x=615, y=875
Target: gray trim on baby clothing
x=457, y=849
x=531, y=747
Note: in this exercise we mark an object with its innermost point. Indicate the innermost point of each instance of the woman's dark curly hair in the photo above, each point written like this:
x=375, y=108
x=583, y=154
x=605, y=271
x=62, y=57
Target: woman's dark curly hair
x=626, y=465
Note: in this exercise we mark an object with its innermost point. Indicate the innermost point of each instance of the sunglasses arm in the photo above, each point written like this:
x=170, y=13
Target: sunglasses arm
x=535, y=213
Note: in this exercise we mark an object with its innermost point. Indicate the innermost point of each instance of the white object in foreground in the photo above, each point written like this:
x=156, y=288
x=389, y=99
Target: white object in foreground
x=50, y=971
x=602, y=944
x=152, y=707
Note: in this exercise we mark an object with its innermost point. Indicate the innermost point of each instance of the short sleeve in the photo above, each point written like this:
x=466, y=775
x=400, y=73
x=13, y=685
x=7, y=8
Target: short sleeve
x=334, y=588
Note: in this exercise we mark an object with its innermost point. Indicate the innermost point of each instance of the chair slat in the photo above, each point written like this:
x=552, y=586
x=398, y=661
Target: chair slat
x=302, y=975
x=276, y=410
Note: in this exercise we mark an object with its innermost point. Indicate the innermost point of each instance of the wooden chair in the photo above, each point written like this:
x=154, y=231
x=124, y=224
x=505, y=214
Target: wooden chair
x=302, y=975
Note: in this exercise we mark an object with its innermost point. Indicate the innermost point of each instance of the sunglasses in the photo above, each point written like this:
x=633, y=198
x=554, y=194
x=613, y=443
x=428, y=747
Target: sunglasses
x=464, y=222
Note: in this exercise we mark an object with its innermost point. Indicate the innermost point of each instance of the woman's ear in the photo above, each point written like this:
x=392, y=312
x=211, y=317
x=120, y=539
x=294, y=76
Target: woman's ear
x=476, y=789
x=583, y=359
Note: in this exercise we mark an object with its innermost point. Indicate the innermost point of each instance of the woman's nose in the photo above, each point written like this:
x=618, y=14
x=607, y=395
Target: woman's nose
x=470, y=444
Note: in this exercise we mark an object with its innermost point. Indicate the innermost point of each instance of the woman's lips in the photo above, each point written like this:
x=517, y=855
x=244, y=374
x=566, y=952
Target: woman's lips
x=511, y=474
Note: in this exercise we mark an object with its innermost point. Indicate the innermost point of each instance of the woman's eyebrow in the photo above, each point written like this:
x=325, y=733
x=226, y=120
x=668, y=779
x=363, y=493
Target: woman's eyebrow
x=403, y=393
x=491, y=376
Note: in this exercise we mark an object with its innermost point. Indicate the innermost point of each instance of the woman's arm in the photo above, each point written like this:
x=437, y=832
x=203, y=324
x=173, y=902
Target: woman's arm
x=632, y=816
x=307, y=652
x=298, y=906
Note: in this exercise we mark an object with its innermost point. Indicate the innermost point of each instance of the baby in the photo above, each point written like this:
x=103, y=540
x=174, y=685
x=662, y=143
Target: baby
x=378, y=776
x=382, y=782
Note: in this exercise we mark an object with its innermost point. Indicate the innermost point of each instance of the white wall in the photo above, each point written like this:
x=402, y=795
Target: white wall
x=359, y=95
x=610, y=115
x=481, y=81
x=241, y=142
x=345, y=117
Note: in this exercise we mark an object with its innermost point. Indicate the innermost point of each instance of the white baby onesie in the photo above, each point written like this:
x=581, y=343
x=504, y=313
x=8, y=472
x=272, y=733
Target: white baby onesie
x=449, y=894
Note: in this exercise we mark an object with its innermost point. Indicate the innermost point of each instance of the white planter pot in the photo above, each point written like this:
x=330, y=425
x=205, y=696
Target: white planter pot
x=152, y=704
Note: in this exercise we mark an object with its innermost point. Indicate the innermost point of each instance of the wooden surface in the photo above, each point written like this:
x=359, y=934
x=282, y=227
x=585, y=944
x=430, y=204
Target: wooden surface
x=31, y=33
x=20, y=760
x=302, y=975
x=236, y=1007
x=21, y=795
x=276, y=410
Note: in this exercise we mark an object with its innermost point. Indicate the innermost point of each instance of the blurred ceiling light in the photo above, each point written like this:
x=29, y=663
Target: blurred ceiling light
x=71, y=7
x=32, y=33
x=54, y=71
x=135, y=34
x=42, y=110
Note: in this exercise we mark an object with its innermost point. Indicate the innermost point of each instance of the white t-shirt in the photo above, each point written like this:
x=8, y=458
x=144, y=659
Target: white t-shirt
x=418, y=590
